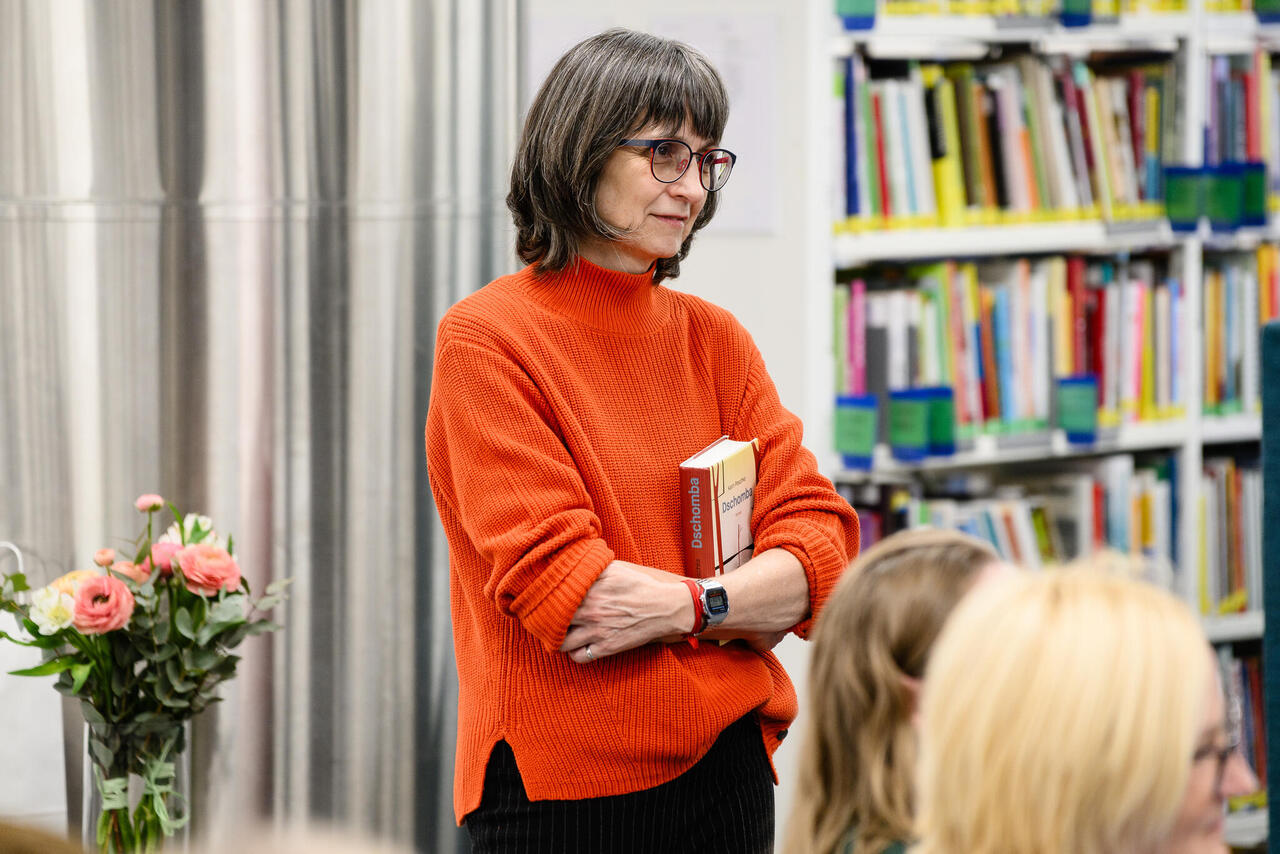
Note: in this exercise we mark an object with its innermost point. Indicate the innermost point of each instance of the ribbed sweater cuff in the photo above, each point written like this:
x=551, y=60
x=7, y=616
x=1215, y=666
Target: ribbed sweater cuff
x=556, y=595
x=822, y=560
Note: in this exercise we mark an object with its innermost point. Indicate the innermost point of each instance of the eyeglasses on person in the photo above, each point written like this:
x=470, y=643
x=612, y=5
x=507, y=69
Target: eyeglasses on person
x=670, y=158
x=1233, y=726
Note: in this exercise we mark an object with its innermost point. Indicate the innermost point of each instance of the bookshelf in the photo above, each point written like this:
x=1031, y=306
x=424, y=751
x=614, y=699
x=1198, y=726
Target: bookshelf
x=1204, y=447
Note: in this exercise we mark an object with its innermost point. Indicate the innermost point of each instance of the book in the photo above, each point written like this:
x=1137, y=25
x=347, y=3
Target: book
x=717, y=489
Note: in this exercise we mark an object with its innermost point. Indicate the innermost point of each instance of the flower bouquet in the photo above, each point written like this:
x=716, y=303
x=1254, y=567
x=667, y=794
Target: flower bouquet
x=144, y=643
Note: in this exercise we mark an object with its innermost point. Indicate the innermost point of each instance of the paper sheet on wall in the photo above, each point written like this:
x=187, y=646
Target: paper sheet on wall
x=743, y=48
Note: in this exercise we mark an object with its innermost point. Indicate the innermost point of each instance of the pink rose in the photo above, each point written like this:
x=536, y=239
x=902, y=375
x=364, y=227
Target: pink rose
x=148, y=502
x=162, y=557
x=102, y=604
x=132, y=570
x=104, y=557
x=208, y=569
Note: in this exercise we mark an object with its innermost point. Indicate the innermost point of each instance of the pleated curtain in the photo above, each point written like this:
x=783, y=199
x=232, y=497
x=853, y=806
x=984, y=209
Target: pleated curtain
x=227, y=231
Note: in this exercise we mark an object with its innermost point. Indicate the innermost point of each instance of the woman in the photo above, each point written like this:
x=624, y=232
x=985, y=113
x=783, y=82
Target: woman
x=564, y=398
x=857, y=763
x=1075, y=712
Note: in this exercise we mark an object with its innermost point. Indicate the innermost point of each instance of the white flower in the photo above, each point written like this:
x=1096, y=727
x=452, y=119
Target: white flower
x=198, y=529
x=51, y=610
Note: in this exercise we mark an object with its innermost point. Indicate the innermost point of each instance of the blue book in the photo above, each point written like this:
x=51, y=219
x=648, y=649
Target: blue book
x=1004, y=356
x=851, y=138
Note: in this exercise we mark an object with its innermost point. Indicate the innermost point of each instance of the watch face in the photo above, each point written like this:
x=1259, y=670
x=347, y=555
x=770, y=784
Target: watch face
x=717, y=600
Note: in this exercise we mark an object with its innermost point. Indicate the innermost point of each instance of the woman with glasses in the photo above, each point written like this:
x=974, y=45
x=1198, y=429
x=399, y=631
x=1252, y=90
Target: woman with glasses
x=1080, y=712
x=564, y=398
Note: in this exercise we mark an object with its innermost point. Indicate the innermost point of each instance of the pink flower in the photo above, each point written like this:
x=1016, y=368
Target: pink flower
x=148, y=502
x=208, y=569
x=162, y=557
x=104, y=557
x=103, y=604
x=132, y=570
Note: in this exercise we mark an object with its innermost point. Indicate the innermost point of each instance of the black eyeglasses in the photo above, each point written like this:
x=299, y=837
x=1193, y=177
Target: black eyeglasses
x=1222, y=755
x=670, y=158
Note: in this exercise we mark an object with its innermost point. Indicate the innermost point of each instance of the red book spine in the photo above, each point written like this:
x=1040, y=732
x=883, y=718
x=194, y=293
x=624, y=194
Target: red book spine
x=1259, y=719
x=1099, y=344
x=1079, y=324
x=990, y=379
x=1236, y=512
x=1099, y=516
x=697, y=515
x=1252, y=126
x=882, y=172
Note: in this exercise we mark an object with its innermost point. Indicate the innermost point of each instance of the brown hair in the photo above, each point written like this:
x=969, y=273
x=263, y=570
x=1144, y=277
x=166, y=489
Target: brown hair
x=604, y=89
x=858, y=759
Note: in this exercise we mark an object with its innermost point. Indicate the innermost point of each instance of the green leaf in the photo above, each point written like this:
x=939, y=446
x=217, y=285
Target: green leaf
x=200, y=659
x=182, y=622
x=39, y=641
x=177, y=517
x=263, y=626
x=230, y=544
x=278, y=586
x=16, y=582
x=49, y=668
x=228, y=610
x=79, y=673
x=161, y=633
x=173, y=669
x=164, y=653
x=90, y=714
x=101, y=753
x=173, y=702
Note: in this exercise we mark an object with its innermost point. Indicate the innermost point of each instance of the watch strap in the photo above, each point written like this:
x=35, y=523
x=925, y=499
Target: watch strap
x=699, y=618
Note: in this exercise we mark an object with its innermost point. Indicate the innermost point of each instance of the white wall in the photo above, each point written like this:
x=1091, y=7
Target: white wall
x=768, y=260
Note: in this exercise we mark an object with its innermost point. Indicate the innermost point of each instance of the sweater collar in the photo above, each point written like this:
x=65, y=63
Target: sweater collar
x=609, y=300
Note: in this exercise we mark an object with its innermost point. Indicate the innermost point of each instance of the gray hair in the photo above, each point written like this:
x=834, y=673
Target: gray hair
x=604, y=89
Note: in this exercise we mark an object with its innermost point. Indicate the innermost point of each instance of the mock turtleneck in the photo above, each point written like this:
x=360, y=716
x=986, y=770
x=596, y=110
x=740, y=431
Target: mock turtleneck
x=607, y=300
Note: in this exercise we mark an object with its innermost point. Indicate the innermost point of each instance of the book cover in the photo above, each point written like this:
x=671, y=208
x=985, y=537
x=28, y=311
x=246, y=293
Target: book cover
x=717, y=488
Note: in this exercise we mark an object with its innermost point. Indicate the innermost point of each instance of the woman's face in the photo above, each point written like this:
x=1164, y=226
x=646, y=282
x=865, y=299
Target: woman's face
x=1198, y=829
x=657, y=216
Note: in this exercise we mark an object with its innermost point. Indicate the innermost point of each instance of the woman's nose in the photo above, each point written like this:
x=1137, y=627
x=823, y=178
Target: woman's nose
x=1238, y=778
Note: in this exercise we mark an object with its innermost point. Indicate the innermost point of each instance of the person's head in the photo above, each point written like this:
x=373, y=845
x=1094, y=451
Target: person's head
x=870, y=646
x=1073, y=711
x=577, y=190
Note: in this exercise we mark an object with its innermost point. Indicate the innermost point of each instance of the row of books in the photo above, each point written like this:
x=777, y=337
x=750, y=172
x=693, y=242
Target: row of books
x=1241, y=292
x=998, y=332
x=1024, y=8
x=1242, y=674
x=1243, y=96
x=1022, y=139
x=1045, y=518
x=1230, y=524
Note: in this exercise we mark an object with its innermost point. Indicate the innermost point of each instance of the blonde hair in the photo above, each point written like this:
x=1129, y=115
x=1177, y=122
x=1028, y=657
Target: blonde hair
x=1060, y=715
x=859, y=746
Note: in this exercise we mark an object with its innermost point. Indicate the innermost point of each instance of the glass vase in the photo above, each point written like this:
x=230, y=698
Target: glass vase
x=137, y=778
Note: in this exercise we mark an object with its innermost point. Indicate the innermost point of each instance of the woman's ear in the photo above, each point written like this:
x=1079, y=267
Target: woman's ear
x=911, y=685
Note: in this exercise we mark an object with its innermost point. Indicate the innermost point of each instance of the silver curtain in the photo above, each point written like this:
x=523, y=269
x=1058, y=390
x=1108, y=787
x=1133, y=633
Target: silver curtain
x=227, y=231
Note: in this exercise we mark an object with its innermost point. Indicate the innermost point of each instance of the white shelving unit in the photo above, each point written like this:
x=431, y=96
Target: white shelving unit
x=1196, y=33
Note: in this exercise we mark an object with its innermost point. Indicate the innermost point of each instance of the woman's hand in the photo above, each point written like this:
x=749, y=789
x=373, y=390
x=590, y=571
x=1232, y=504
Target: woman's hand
x=628, y=606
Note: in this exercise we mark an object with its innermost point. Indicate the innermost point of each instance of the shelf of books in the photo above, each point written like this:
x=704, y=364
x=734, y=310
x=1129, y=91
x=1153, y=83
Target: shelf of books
x=1052, y=247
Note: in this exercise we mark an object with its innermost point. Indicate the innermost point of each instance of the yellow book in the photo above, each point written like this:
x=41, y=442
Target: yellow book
x=1265, y=308
x=1206, y=606
x=948, y=180
x=1151, y=146
x=1147, y=396
x=1063, y=319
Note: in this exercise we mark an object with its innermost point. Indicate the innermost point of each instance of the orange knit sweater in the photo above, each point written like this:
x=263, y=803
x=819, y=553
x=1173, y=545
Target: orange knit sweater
x=561, y=407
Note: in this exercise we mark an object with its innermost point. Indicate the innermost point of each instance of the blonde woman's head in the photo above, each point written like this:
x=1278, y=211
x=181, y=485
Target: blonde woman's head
x=870, y=646
x=1061, y=714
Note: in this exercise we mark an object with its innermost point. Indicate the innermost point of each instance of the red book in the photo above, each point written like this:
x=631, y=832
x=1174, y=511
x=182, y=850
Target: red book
x=1138, y=123
x=882, y=171
x=1252, y=126
x=1235, y=513
x=1098, y=346
x=1259, y=719
x=1099, y=516
x=990, y=377
x=1079, y=322
x=717, y=486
